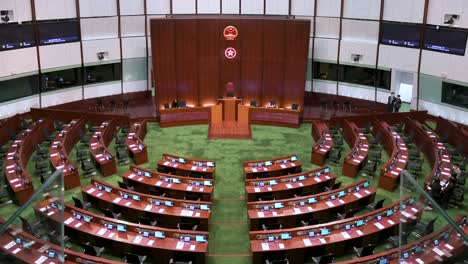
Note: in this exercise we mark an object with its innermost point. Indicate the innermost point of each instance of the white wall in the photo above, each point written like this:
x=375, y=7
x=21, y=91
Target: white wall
x=18, y=61
x=132, y=26
x=93, y=91
x=326, y=49
x=327, y=27
x=399, y=58
x=230, y=6
x=252, y=7
x=55, y=9
x=356, y=92
x=445, y=65
x=99, y=28
x=132, y=7
x=21, y=9
x=382, y=97
x=62, y=97
x=183, y=6
x=324, y=87
x=360, y=30
x=444, y=111
x=362, y=9
x=302, y=7
x=437, y=10
x=413, y=10
x=330, y=8
x=19, y=106
x=158, y=7
x=368, y=52
x=133, y=47
x=277, y=7
x=61, y=55
x=209, y=7
x=135, y=86
x=94, y=8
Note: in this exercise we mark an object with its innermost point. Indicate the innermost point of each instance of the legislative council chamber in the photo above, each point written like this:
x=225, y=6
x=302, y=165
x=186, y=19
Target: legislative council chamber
x=233, y=131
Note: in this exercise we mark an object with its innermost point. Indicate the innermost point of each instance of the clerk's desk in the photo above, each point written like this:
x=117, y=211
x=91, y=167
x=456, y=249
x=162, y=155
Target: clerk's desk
x=97, y=231
x=279, y=166
x=357, y=156
x=356, y=196
x=423, y=250
x=178, y=187
x=433, y=149
x=323, y=142
x=62, y=144
x=98, y=148
x=284, y=187
x=19, y=181
x=187, y=166
x=134, y=142
x=302, y=245
x=396, y=149
x=37, y=250
x=167, y=216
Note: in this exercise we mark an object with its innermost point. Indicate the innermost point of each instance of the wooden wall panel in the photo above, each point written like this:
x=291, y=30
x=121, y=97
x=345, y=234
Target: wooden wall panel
x=162, y=42
x=229, y=68
x=208, y=61
x=251, y=60
x=186, y=61
x=295, y=72
x=273, y=59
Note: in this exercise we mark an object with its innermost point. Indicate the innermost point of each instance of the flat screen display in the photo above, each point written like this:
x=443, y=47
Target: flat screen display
x=447, y=40
x=14, y=36
x=58, y=32
x=401, y=34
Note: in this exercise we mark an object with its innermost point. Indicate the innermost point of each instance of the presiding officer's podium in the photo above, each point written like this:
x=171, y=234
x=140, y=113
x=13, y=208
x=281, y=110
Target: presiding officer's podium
x=229, y=120
x=229, y=108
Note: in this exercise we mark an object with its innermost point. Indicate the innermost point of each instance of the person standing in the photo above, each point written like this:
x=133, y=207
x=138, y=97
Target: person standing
x=391, y=102
x=397, y=104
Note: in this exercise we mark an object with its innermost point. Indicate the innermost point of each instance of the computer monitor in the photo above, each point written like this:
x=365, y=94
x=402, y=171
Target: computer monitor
x=125, y=196
x=360, y=223
x=446, y=236
x=411, y=201
x=358, y=189
x=27, y=244
x=261, y=184
x=379, y=217
x=333, y=197
x=181, y=160
x=325, y=232
x=271, y=239
x=110, y=226
x=312, y=200
x=268, y=163
x=286, y=236
x=348, y=227
x=293, y=180
x=417, y=249
x=311, y=234
x=197, y=183
x=342, y=193
x=383, y=261
x=157, y=203
x=191, y=207
x=318, y=174
x=100, y=187
x=436, y=242
x=78, y=216
x=200, y=164
x=405, y=255
x=139, y=173
x=302, y=203
x=50, y=254
x=293, y=158
x=136, y=197
x=121, y=228
x=186, y=239
x=176, y=180
x=87, y=219
x=145, y=234
x=18, y=240
x=204, y=207
x=366, y=184
x=326, y=170
x=273, y=182
x=403, y=206
x=207, y=183
x=159, y=234
x=266, y=208
x=389, y=212
x=302, y=177
x=200, y=239
x=210, y=164
x=168, y=203
x=278, y=205
x=107, y=189
x=147, y=174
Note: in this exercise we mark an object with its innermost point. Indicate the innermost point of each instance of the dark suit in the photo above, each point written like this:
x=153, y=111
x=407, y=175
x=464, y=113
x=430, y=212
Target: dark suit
x=397, y=105
x=390, y=103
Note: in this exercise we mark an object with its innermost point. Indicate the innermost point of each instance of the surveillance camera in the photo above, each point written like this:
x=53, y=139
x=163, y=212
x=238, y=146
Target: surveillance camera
x=100, y=55
x=5, y=18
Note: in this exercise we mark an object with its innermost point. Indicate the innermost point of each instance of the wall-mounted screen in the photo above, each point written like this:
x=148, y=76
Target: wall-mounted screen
x=401, y=34
x=444, y=39
x=16, y=36
x=57, y=32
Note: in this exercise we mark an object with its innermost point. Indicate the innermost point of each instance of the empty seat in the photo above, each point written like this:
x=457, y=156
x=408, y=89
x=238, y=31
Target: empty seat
x=80, y=204
x=364, y=251
x=92, y=250
x=323, y=259
x=375, y=206
x=108, y=213
x=123, y=185
x=134, y=259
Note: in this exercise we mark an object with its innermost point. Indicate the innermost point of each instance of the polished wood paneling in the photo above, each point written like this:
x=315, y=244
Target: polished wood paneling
x=186, y=61
x=273, y=68
x=208, y=61
x=251, y=60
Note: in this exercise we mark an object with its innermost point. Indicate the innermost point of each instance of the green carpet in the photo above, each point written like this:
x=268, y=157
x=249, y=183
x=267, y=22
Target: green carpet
x=229, y=239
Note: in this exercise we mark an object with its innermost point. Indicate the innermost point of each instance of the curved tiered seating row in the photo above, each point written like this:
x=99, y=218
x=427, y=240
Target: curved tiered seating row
x=356, y=157
x=323, y=142
x=335, y=238
x=161, y=244
x=271, y=167
x=19, y=181
x=283, y=187
x=187, y=166
x=178, y=187
x=396, y=148
x=135, y=144
x=441, y=246
x=167, y=211
x=290, y=212
x=62, y=144
x=98, y=147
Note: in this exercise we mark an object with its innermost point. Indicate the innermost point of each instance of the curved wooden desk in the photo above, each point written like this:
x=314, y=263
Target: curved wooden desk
x=150, y=206
x=98, y=147
x=398, y=152
x=279, y=166
x=19, y=181
x=186, y=166
x=184, y=116
x=356, y=157
x=302, y=245
x=97, y=231
x=283, y=187
x=447, y=249
x=275, y=116
x=325, y=206
x=323, y=142
x=145, y=180
x=62, y=144
x=134, y=142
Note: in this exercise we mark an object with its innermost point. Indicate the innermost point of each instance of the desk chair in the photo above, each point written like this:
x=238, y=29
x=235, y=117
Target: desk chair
x=157, y=193
x=271, y=226
x=369, y=169
x=3, y=150
x=310, y=222
x=147, y=221
x=338, y=140
x=88, y=169
x=119, y=140
x=424, y=229
x=175, y=261
x=12, y=133
x=112, y=105
x=108, y=213
x=394, y=241
x=335, y=155
x=253, y=103
x=48, y=136
x=325, y=259
x=414, y=166
x=364, y=251
x=166, y=105
x=5, y=198
x=123, y=185
x=336, y=105
x=41, y=152
x=99, y=105
x=122, y=156
x=134, y=259
x=346, y=215
x=277, y=261
x=187, y=226
x=81, y=154
x=84, y=139
x=31, y=228
x=182, y=104
x=266, y=198
x=92, y=250
x=125, y=130
x=125, y=103
x=192, y=197
x=335, y=186
x=347, y=106
x=376, y=206
x=80, y=204
x=56, y=239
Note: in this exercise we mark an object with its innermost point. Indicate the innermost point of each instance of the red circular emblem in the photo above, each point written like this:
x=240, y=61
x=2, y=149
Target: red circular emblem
x=230, y=53
x=230, y=33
